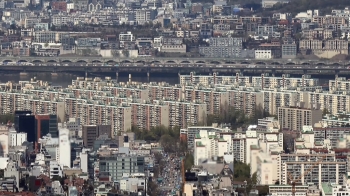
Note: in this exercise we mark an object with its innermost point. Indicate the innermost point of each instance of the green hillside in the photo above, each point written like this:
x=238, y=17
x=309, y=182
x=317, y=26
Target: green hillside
x=325, y=6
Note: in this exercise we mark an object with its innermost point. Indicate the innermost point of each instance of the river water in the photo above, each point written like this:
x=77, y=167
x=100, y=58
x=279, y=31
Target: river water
x=64, y=79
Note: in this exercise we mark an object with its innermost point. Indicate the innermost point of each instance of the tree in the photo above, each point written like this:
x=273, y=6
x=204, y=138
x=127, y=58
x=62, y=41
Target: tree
x=6, y=118
x=115, y=53
x=126, y=53
x=189, y=161
x=183, y=148
x=241, y=171
x=168, y=143
x=152, y=189
x=237, y=118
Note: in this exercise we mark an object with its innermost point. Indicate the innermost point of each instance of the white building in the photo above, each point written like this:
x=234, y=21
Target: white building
x=4, y=142
x=70, y=6
x=16, y=139
x=340, y=189
x=300, y=190
x=55, y=169
x=126, y=37
x=191, y=133
x=263, y=54
x=207, y=146
x=64, y=151
x=132, y=184
x=84, y=160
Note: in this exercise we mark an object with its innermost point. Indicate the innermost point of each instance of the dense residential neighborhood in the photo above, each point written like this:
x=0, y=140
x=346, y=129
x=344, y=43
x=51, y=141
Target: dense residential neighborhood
x=243, y=125
x=178, y=29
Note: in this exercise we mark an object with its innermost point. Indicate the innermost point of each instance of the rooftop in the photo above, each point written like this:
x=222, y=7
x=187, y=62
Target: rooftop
x=327, y=188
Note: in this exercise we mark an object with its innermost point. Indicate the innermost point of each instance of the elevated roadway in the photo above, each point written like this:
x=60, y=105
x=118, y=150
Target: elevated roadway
x=179, y=69
x=166, y=60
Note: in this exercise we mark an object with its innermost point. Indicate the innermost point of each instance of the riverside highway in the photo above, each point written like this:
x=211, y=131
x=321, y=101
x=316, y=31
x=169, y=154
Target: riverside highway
x=173, y=68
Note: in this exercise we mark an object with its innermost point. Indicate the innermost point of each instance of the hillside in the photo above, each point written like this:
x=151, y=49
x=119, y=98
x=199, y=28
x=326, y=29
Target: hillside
x=296, y=6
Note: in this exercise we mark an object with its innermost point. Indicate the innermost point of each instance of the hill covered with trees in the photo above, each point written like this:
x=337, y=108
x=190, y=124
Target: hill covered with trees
x=324, y=6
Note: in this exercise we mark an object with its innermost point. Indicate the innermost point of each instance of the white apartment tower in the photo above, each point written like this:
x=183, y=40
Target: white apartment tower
x=64, y=152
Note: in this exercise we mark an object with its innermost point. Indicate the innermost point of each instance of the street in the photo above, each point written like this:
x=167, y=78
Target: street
x=171, y=175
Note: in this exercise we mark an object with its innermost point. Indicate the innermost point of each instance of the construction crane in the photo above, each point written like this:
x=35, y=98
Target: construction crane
x=294, y=181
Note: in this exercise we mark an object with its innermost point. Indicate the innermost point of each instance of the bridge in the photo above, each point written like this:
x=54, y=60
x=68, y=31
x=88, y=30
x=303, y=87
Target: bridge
x=179, y=69
x=168, y=60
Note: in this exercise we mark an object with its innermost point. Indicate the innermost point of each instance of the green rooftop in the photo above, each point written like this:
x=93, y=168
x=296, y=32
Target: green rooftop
x=327, y=188
x=307, y=132
x=199, y=144
x=300, y=146
x=221, y=140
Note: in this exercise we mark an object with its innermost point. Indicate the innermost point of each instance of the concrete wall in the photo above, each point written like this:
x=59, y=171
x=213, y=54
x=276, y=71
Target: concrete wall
x=329, y=53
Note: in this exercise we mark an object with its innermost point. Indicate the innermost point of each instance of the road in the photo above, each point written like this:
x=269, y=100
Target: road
x=185, y=65
x=171, y=175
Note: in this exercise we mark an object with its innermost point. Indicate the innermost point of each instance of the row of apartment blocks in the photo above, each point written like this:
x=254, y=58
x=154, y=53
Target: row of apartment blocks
x=94, y=100
x=142, y=114
x=311, y=44
x=241, y=98
x=264, y=81
x=261, y=146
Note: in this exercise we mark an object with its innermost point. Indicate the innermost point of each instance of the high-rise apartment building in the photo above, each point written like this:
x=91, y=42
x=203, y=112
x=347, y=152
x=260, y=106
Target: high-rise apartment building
x=268, y=82
x=184, y=114
x=214, y=79
x=294, y=118
x=326, y=168
x=147, y=115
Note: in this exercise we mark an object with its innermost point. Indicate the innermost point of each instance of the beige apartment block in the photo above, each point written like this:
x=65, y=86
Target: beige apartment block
x=274, y=99
x=339, y=84
x=119, y=118
x=268, y=82
x=158, y=91
x=94, y=83
x=327, y=169
x=214, y=79
x=245, y=99
x=333, y=101
x=131, y=91
x=294, y=118
x=323, y=21
x=215, y=98
x=147, y=115
x=184, y=114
